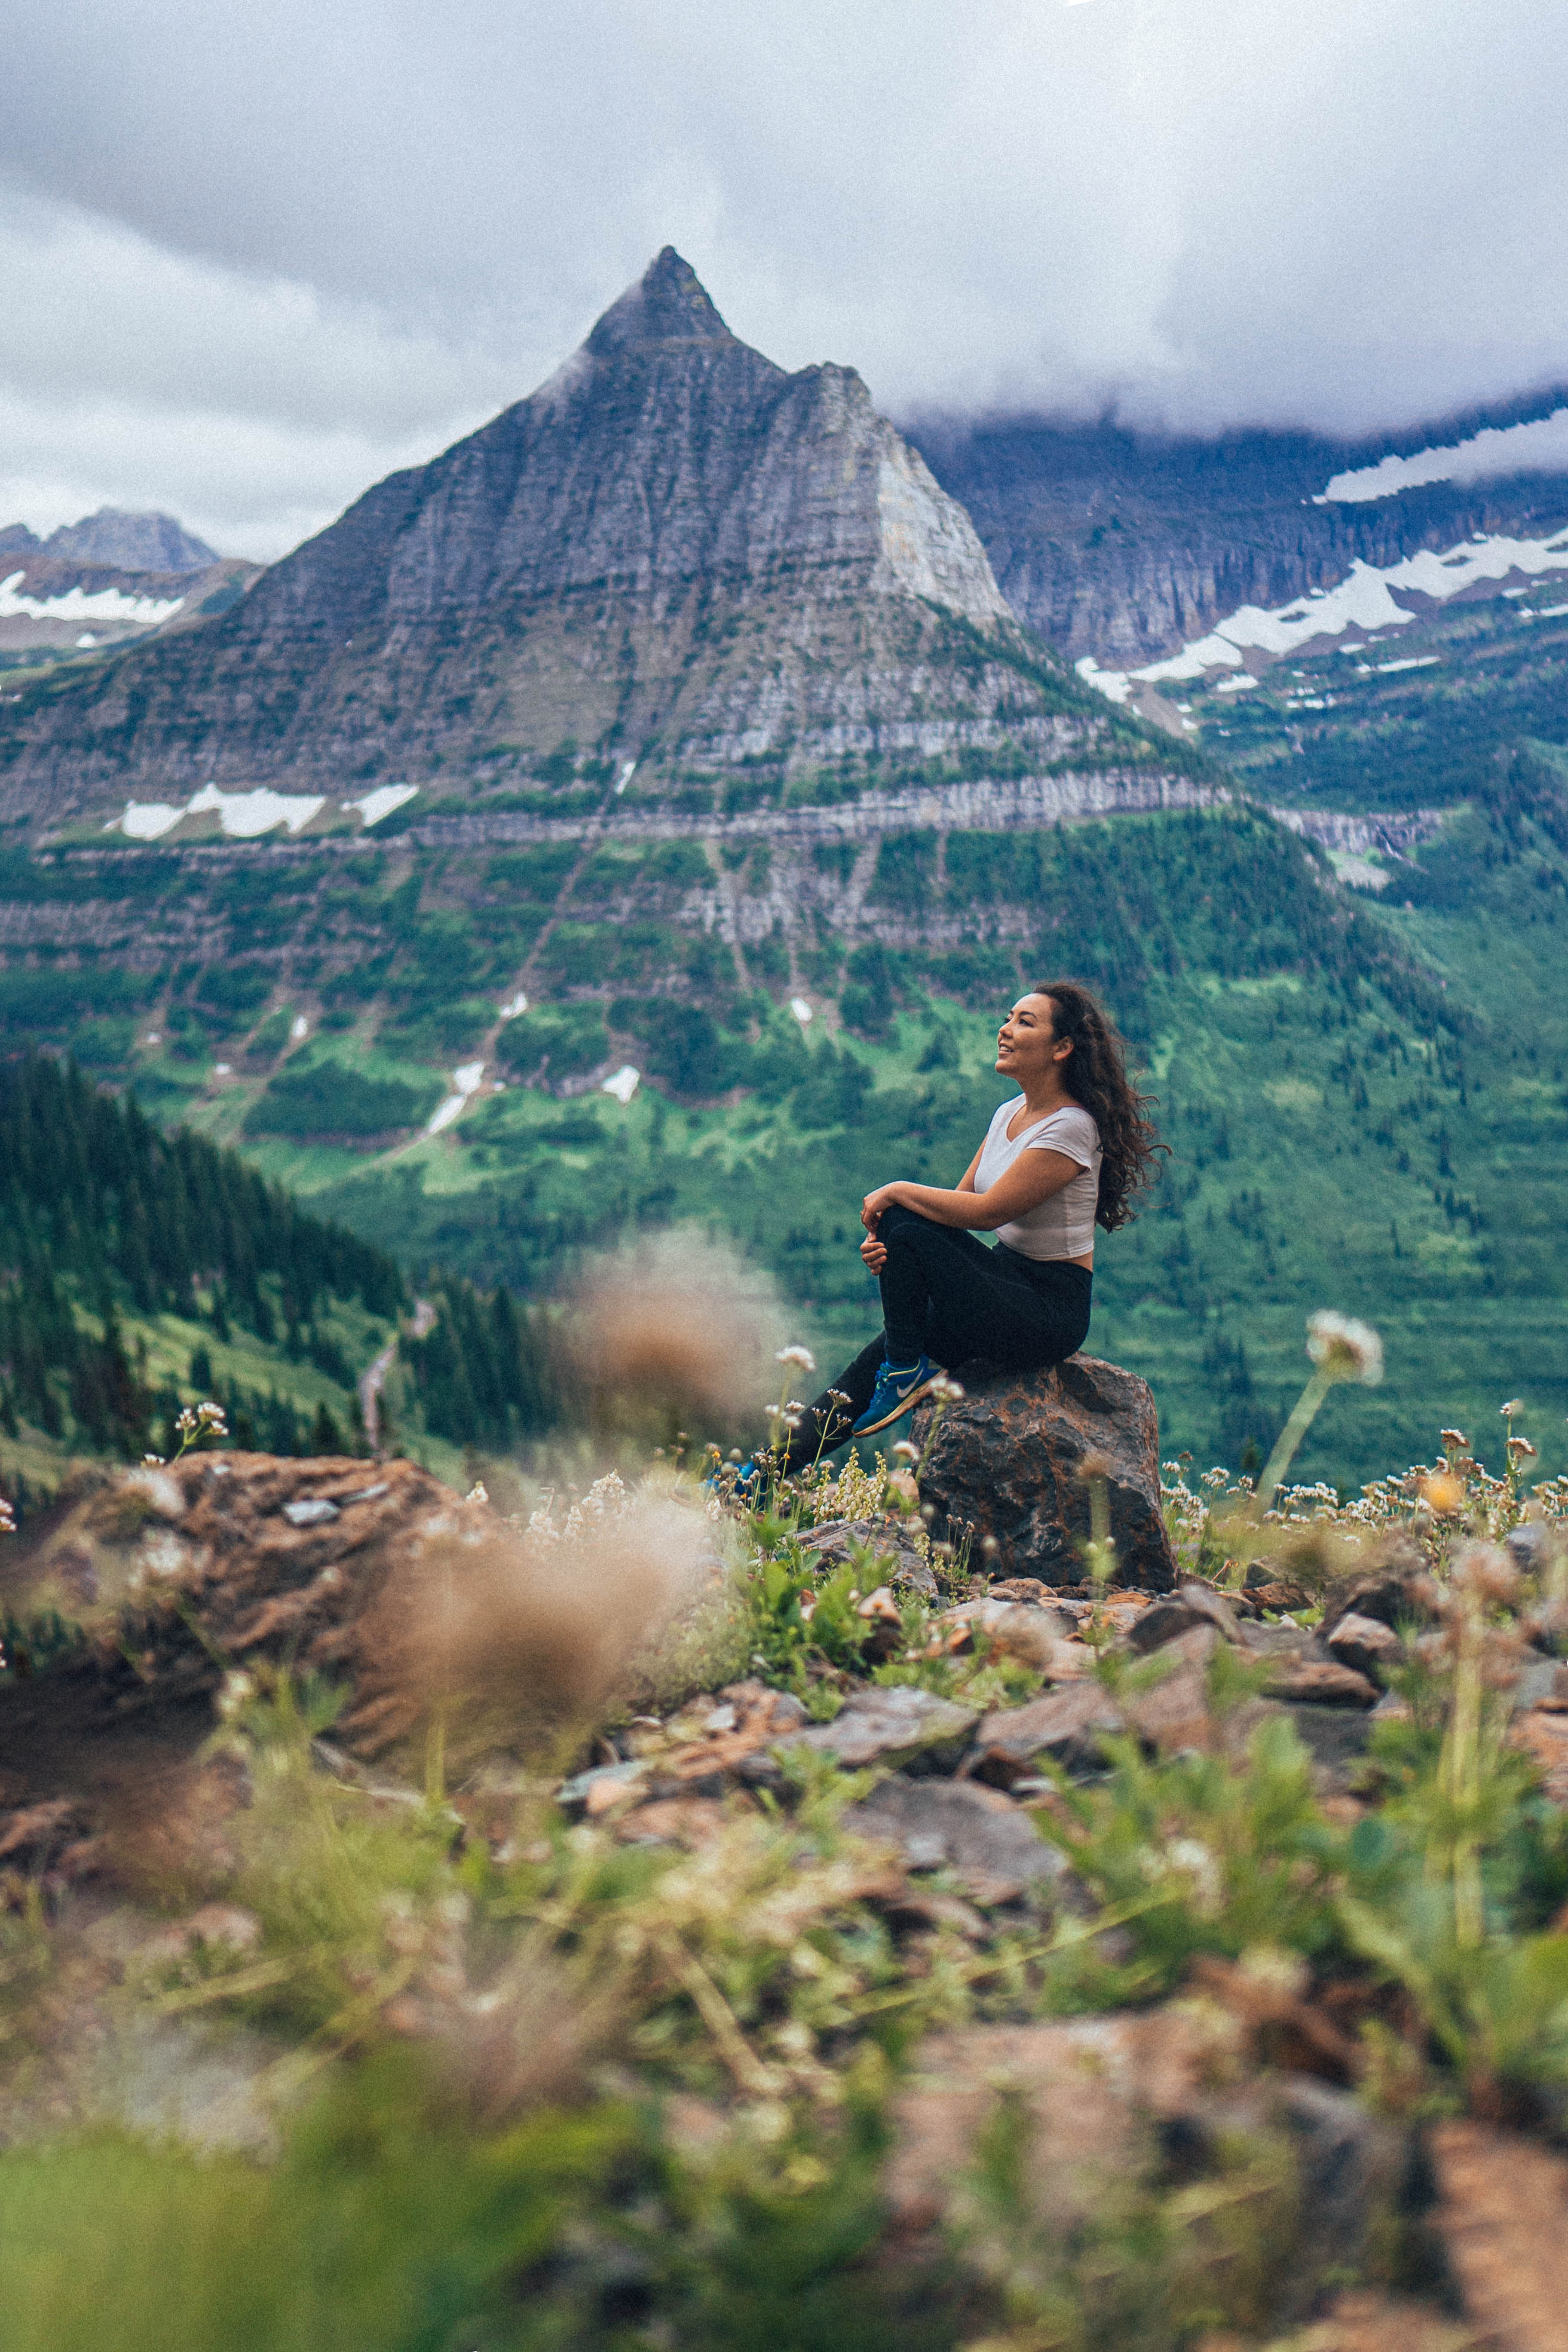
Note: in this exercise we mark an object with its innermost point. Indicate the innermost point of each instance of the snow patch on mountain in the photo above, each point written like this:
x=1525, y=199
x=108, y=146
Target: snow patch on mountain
x=1362, y=603
x=81, y=604
x=245, y=816
x=373, y=805
x=1540, y=447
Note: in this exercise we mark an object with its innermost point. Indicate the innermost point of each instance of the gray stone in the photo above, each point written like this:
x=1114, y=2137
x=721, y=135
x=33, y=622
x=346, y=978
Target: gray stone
x=892, y=1554
x=1350, y=2168
x=1194, y=1605
x=1542, y=1681
x=990, y=1842
x=1003, y=1466
x=1335, y=1738
x=313, y=1512
x=897, y=1725
x=1528, y=1545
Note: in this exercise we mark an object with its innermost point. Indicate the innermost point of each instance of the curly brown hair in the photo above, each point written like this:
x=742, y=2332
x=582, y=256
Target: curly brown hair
x=1095, y=1074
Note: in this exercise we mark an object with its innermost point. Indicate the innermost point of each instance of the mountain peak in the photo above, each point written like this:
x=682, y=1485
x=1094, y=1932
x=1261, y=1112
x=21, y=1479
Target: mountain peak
x=131, y=542
x=669, y=304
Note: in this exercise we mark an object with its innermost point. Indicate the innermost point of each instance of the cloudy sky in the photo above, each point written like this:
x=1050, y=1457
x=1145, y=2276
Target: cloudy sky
x=252, y=258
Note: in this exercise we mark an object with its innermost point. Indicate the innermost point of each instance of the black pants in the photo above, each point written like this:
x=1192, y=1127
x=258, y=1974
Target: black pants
x=947, y=1296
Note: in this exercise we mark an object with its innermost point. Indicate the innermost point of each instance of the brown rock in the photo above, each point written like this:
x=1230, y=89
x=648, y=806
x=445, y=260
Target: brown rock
x=1089, y=2091
x=672, y=1820
x=1502, y=2213
x=1174, y=1713
x=1365, y=1643
x=1004, y=1465
x=1067, y=1724
x=1319, y=1682
x=1542, y=1733
x=1364, y=2321
x=990, y=1842
x=1104, y=2100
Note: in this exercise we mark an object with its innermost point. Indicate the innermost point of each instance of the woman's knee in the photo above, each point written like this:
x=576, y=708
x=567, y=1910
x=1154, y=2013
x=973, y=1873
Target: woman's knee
x=898, y=1219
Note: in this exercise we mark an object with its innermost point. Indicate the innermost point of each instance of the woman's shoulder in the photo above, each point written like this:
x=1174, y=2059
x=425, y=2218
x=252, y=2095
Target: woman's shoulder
x=1070, y=1120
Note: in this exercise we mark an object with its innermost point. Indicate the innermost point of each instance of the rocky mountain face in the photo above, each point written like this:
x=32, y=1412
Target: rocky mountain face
x=131, y=542
x=674, y=557
x=114, y=540
x=1125, y=545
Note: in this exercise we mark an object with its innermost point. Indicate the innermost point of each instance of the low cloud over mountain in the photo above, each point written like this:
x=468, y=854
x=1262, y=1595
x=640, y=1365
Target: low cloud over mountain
x=250, y=264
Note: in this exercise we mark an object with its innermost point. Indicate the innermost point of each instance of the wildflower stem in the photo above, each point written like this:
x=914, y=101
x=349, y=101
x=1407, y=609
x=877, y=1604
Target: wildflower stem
x=717, y=2015
x=1294, y=1431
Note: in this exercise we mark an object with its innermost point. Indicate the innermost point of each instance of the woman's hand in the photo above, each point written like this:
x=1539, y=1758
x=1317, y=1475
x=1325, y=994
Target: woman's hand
x=874, y=1253
x=872, y=1206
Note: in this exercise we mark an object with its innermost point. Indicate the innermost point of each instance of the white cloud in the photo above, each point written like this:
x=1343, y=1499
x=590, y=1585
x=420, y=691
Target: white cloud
x=250, y=260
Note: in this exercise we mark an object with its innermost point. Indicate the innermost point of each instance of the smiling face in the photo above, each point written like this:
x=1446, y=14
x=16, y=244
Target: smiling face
x=1028, y=1048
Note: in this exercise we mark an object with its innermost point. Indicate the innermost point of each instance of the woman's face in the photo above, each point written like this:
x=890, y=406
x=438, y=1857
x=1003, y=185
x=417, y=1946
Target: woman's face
x=1026, y=1044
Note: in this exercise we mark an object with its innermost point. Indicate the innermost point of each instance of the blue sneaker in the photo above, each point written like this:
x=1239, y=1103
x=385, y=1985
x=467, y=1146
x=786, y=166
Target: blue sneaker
x=899, y=1388
x=744, y=1486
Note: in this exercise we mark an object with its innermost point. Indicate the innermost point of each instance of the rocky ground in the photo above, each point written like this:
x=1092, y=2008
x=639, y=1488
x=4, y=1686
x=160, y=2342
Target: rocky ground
x=809, y=1938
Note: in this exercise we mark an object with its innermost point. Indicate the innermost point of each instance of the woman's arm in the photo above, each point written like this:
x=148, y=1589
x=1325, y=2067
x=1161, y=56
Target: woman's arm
x=1034, y=1176
x=871, y=1249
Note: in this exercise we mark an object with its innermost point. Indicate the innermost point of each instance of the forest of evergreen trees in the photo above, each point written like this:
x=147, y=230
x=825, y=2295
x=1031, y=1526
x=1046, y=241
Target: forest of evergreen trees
x=104, y=1218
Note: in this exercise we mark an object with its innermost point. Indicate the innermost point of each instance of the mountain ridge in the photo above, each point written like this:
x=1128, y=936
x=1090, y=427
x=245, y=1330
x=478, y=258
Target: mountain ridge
x=674, y=556
x=1124, y=544
x=120, y=541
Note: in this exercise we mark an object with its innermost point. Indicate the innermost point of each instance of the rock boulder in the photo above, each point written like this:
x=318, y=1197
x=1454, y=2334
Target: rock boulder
x=1005, y=1462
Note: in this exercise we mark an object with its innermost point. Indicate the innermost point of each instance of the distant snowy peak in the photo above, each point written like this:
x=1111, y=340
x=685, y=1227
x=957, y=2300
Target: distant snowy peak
x=1367, y=601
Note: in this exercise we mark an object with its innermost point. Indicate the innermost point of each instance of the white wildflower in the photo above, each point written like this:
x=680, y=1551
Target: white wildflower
x=1514, y=1404
x=1343, y=1347
x=1201, y=1865
x=801, y=1358
x=235, y=1690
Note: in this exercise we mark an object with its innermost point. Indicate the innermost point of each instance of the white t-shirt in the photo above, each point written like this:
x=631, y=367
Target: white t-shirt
x=1062, y=1226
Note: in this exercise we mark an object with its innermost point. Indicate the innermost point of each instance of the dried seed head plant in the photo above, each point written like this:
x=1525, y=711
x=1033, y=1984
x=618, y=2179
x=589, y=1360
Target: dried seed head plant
x=503, y=1635
x=683, y=1332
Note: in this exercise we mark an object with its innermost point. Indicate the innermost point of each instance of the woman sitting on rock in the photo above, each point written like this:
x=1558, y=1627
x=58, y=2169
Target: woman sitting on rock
x=1067, y=1152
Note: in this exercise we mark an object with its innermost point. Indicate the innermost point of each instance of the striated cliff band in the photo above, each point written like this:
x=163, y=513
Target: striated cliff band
x=675, y=568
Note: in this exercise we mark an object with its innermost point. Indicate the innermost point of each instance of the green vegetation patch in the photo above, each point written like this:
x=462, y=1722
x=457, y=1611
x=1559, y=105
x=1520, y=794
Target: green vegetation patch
x=329, y=1098
x=554, y=1042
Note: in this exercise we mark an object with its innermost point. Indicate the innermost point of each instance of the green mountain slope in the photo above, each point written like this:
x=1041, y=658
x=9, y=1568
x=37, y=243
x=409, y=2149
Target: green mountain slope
x=1419, y=722
x=141, y=1273
x=1366, y=1106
